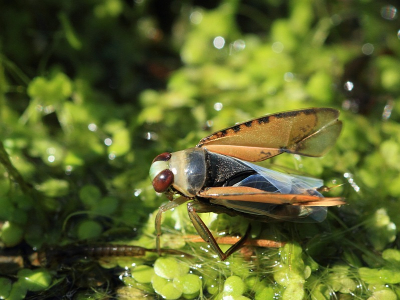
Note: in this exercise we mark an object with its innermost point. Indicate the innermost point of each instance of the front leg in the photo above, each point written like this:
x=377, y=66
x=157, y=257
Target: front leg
x=204, y=232
x=164, y=208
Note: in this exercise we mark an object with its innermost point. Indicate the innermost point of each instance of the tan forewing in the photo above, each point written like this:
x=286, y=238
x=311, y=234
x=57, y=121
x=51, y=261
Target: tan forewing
x=309, y=132
x=249, y=194
x=318, y=143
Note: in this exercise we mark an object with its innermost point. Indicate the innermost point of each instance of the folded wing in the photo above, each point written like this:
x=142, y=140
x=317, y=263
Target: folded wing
x=309, y=132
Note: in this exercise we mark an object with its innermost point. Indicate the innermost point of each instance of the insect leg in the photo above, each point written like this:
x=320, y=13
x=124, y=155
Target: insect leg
x=164, y=208
x=204, y=232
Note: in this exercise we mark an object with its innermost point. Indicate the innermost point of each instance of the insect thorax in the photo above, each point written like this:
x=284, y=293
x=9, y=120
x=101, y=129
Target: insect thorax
x=189, y=168
x=225, y=170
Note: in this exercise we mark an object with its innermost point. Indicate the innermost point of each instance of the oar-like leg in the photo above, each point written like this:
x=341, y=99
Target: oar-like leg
x=164, y=208
x=204, y=232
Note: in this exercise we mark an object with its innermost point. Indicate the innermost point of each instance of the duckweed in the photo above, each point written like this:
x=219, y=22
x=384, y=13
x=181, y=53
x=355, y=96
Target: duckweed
x=85, y=108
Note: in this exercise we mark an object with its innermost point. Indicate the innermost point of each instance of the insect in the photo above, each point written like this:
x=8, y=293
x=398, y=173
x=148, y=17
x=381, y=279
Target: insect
x=218, y=174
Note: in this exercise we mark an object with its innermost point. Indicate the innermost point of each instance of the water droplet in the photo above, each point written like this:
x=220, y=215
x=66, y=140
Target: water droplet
x=348, y=86
x=218, y=106
x=336, y=19
x=239, y=45
x=151, y=136
x=277, y=47
x=196, y=17
x=111, y=156
x=367, y=49
x=288, y=76
x=389, y=12
x=49, y=109
x=51, y=158
x=51, y=150
x=92, y=127
x=68, y=170
x=387, y=111
x=108, y=142
x=219, y=42
x=350, y=179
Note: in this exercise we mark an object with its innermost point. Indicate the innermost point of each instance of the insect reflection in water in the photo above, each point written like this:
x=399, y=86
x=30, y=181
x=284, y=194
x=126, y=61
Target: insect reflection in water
x=218, y=176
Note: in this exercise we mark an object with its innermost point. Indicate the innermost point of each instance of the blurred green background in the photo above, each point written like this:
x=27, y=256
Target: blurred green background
x=92, y=91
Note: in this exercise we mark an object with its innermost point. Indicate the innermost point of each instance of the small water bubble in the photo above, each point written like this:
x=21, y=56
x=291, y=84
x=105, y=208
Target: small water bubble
x=336, y=19
x=389, y=12
x=108, y=142
x=111, y=156
x=277, y=47
x=49, y=109
x=51, y=150
x=348, y=86
x=92, y=127
x=219, y=42
x=367, y=49
x=350, y=180
x=51, y=158
x=239, y=45
x=387, y=110
x=68, y=170
x=289, y=76
x=151, y=136
x=137, y=192
x=218, y=106
x=196, y=17
x=398, y=34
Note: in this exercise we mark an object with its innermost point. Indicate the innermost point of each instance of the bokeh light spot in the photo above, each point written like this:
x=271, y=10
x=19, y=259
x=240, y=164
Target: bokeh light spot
x=219, y=42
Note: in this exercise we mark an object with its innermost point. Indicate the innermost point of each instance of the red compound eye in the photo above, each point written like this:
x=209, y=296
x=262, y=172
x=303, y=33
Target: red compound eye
x=163, y=180
x=163, y=157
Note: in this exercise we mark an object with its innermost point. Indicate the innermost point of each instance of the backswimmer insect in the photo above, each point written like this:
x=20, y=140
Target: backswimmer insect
x=217, y=176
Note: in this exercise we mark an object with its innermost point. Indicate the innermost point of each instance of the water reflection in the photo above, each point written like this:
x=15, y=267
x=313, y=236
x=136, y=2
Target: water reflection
x=348, y=86
x=367, y=49
x=350, y=179
x=288, y=77
x=387, y=110
x=388, y=12
x=196, y=17
x=151, y=136
x=68, y=170
x=219, y=42
x=277, y=47
x=108, y=142
x=92, y=127
x=239, y=45
x=336, y=19
x=218, y=106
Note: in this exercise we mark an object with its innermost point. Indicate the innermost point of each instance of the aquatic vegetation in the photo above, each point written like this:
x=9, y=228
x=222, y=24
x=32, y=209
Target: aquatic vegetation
x=91, y=92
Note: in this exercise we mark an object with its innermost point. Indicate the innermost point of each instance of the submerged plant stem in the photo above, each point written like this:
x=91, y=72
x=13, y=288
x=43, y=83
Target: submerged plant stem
x=12, y=171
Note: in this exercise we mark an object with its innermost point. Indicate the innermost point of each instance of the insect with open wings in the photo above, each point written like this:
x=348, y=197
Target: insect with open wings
x=217, y=176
